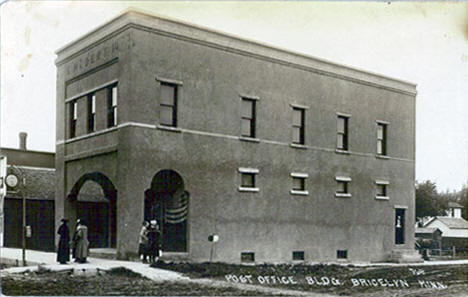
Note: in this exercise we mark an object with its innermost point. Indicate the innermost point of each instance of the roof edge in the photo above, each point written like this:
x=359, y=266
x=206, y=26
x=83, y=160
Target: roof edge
x=131, y=15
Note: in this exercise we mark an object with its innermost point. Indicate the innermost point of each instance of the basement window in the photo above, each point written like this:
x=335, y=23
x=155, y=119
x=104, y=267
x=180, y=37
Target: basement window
x=247, y=257
x=342, y=254
x=298, y=255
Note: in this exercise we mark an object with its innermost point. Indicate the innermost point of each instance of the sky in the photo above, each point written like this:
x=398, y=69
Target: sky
x=420, y=42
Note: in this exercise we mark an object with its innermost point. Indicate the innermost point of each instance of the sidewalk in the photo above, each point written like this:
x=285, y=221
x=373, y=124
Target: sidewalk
x=48, y=261
x=45, y=260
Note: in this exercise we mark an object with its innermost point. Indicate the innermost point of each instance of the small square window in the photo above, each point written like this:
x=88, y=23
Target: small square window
x=381, y=190
x=247, y=180
x=342, y=187
x=247, y=257
x=298, y=255
x=298, y=183
x=342, y=254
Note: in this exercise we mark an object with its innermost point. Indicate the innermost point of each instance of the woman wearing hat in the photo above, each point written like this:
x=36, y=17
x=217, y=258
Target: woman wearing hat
x=81, y=243
x=63, y=252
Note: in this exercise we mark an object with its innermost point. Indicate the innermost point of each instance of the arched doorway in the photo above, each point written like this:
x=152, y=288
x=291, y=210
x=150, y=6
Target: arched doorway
x=94, y=197
x=167, y=202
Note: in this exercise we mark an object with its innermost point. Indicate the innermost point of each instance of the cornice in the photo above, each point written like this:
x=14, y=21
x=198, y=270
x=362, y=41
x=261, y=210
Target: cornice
x=227, y=42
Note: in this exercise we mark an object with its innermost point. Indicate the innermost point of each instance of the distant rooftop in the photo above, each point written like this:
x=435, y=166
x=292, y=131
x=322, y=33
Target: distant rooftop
x=453, y=223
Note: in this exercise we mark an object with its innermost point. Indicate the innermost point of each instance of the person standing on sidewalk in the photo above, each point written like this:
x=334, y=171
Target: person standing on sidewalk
x=80, y=242
x=143, y=242
x=154, y=242
x=63, y=252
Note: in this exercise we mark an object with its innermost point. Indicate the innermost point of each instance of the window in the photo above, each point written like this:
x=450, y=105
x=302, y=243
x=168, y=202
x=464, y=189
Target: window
x=248, y=179
x=381, y=189
x=342, y=137
x=247, y=257
x=299, y=183
x=248, y=117
x=382, y=139
x=168, y=105
x=342, y=189
x=399, y=226
x=73, y=117
x=342, y=254
x=298, y=255
x=298, y=125
x=91, y=112
x=112, y=95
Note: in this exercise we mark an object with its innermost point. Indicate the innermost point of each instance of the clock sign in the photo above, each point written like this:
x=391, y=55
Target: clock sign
x=11, y=180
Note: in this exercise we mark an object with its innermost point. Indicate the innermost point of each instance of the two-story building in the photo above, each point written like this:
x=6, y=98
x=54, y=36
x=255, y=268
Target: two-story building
x=284, y=156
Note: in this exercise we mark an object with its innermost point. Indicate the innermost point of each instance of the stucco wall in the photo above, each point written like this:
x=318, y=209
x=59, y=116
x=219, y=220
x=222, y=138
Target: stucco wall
x=206, y=151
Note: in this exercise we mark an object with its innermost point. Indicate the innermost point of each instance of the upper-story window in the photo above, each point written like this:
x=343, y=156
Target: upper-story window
x=382, y=138
x=248, y=117
x=168, y=105
x=112, y=97
x=342, y=133
x=298, y=125
x=73, y=117
x=91, y=112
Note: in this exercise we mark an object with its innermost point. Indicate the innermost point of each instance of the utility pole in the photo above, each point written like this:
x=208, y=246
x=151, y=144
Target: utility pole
x=23, y=239
x=17, y=180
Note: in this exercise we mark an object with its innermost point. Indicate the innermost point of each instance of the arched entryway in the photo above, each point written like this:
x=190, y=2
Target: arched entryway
x=167, y=201
x=94, y=200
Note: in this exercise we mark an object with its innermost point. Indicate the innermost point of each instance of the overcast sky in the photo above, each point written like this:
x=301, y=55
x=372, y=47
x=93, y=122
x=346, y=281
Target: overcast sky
x=425, y=43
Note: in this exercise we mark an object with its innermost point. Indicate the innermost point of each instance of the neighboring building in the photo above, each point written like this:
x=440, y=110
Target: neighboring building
x=36, y=169
x=283, y=156
x=428, y=238
x=454, y=228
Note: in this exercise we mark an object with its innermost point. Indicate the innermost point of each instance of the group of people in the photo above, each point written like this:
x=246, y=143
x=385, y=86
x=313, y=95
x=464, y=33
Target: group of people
x=150, y=242
x=79, y=243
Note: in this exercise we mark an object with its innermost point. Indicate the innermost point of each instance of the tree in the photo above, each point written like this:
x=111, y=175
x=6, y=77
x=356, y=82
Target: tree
x=428, y=201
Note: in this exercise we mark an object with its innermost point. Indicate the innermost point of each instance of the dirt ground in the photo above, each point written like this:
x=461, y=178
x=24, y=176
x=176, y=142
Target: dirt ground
x=216, y=279
x=117, y=282
x=441, y=280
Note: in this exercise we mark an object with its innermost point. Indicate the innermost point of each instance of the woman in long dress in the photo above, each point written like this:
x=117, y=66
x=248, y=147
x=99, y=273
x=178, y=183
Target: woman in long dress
x=63, y=252
x=81, y=243
x=154, y=242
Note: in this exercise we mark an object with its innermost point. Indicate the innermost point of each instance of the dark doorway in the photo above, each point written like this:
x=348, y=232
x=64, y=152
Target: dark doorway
x=95, y=197
x=399, y=226
x=167, y=202
x=39, y=215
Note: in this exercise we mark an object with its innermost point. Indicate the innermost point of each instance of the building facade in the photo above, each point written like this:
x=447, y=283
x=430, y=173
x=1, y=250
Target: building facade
x=284, y=156
x=35, y=175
